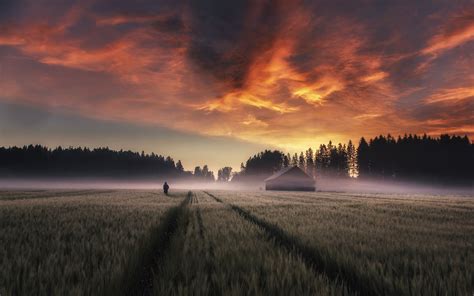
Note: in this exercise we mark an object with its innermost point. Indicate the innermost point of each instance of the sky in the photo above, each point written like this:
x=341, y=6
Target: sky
x=213, y=82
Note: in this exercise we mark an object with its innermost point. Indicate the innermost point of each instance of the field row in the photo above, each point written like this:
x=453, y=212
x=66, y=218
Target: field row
x=377, y=244
x=222, y=242
x=76, y=243
x=142, y=243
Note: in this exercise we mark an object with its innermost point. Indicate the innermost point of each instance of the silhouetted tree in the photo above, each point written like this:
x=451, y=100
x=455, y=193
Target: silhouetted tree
x=331, y=161
x=265, y=162
x=322, y=160
x=287, y=160
x=198, y=172
x=70, y=162
x=179, y=166
x=224, y=174
x=352, y=160
x=310, y=166
x=294, y=160
x=207, y=175
x=363, y=158
x=445, y=159
x=301, y=162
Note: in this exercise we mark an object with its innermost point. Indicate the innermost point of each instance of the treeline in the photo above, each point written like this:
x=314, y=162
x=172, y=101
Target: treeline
x=411, y=157
x=70, y=162
x=328, y=161
x=445, y=159
x=203, y=174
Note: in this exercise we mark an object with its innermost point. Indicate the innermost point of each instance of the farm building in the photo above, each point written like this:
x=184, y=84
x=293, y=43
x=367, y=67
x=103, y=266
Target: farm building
x=292, y=179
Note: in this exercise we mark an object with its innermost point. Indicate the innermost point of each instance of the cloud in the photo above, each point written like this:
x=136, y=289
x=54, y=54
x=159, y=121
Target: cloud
x=287, y=73
x=451, y=95
x=458, y=30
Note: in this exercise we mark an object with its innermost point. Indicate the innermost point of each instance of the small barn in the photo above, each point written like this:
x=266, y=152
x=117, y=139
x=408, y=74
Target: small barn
x=290, y=179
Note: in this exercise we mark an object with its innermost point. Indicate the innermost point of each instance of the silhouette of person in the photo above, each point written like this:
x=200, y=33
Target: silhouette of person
x=165, y=188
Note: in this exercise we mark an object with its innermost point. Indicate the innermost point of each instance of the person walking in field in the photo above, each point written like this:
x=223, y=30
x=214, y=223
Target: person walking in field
x=165, y=188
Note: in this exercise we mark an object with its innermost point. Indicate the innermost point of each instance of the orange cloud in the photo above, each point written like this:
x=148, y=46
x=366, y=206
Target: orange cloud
x=451, y=95
x=124, y=19
x=458, y=30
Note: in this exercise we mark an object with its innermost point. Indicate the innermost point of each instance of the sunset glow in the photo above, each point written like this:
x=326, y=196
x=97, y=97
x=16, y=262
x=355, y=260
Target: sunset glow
x=283, y=74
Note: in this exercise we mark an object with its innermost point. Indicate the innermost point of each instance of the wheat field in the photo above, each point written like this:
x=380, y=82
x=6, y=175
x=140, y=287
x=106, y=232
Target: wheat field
x=141, y=242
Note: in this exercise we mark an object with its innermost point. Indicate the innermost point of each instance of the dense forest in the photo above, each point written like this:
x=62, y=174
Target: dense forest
x=443, y=159
x=71, y=162
x=447, y=158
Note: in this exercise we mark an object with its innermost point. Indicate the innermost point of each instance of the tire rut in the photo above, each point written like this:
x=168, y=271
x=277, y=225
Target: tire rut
x=314, y=259
x=145, y=268
x=209, y=263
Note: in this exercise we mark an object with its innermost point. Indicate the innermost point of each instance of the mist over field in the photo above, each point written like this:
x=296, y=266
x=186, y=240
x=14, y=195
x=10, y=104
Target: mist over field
x=329, y=185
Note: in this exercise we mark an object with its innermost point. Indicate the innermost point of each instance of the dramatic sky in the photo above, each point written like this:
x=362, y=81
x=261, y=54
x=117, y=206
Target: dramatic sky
x=212, y=81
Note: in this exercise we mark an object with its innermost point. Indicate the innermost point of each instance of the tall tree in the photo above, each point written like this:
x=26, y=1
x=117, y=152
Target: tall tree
x=287, y=160
x=198, y=172
x=224, y=174
x=310, y=167
x=352, y=160
x=179, y=166
x=363, y=163
x=302, y=162
x=265, y=162
x=294, y=160
x=205, y=171
x=322, y=160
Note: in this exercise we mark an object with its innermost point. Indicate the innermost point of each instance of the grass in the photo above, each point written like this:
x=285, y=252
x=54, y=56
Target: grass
x=378, y=244
x=216, y=252
x=75, y=245
x=234, y=243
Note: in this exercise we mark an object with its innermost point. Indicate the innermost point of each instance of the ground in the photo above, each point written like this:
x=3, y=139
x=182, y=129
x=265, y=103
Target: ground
x=235, y=243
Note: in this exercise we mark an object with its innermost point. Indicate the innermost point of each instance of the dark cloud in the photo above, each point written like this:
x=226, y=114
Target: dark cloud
x=7, y=9
x=170, y=24
x=227, y=36
x=446, y=116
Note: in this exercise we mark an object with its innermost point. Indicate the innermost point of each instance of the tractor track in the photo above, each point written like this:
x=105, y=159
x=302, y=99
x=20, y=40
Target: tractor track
x=209, y=262
x=312, y=257
x=146, y=267
x=200, y=223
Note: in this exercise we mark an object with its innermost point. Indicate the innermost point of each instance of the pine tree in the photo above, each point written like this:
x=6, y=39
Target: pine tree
x=322, y=160
x=342, y=164
x=301, y=162
x=205, y=171
x=197, y=172
x=179, y=167
x=294, y=160
x=309, y=162
x=286, y=160
x=352, y=160
x=363, y=164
